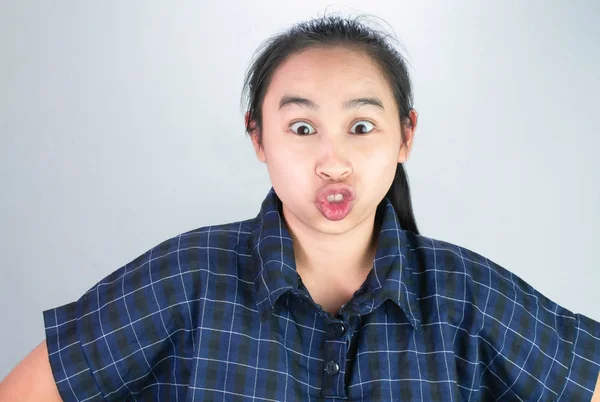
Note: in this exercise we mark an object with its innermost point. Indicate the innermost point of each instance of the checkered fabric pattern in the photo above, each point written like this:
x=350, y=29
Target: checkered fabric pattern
x=220, y=314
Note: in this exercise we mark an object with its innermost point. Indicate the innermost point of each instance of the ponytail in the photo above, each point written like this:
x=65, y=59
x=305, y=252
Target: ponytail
x=399, y=195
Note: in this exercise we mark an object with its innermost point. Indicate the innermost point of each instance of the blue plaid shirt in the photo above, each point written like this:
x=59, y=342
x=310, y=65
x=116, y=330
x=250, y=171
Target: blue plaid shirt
x=220, y=314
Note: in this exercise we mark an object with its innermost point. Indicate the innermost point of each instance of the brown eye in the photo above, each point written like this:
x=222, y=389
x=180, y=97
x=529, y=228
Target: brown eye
x=301, y=128
x=362, y=127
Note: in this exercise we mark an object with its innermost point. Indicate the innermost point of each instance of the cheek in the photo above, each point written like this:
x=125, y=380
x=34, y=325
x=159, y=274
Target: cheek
x=284, y=151
x=286, y=165
x=377, y=156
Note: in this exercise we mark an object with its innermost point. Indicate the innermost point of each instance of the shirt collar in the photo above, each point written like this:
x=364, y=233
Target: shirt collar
x=390, y=278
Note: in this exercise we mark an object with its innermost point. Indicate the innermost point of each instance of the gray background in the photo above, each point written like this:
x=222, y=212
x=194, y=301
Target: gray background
x=120, y=127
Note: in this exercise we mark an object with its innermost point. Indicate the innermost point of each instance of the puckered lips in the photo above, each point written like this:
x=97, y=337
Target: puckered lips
x=335, y=211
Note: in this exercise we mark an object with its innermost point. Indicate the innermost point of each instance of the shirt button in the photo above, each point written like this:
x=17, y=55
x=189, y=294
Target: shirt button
x=332, y=368
x=336, y=330
x=340, y=330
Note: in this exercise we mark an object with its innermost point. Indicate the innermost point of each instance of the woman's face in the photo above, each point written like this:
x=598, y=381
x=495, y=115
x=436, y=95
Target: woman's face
x=314, y=137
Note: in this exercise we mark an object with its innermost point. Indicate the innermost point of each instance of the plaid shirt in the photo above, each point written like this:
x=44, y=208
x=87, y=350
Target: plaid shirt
x=220, y=314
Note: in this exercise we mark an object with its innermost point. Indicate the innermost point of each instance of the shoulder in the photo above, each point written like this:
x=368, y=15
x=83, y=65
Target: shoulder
x=151, y=304
x=469, y=283
x=483, y=298
x=214, y=246
x=465, y=271
x=534, y=345
x=430, y=253
x=169, y=276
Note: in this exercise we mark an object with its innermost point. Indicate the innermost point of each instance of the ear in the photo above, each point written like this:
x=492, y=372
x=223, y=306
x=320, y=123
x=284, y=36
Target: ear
x=408, y=137
x=255, y=137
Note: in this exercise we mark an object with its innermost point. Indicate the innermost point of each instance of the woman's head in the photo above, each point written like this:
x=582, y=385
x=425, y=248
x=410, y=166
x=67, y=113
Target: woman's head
x=330, y=102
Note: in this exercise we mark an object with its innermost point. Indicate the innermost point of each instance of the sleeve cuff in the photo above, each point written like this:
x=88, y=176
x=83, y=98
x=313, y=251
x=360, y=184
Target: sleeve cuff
x=69, y=365
x=585, y=365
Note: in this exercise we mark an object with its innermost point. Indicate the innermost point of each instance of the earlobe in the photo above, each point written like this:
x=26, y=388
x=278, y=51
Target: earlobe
x=260, y=154
x=406, y=147
x=403, y=155
x=409, y=134
x=258, y=149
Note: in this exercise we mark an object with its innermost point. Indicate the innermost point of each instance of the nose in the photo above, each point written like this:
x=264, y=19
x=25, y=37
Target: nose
x=333, y=165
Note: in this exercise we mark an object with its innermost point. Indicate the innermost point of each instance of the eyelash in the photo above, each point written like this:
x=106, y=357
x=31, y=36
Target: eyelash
x=310, y=124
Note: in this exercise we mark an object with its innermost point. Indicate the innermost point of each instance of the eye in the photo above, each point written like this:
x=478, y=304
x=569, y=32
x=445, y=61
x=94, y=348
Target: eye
x=303, y=126
x=364, y=126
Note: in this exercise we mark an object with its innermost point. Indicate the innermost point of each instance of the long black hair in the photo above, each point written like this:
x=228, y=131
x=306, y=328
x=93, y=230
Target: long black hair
x=336, y=31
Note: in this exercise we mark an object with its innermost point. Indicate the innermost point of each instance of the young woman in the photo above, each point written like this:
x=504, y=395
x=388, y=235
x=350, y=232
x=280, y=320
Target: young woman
x=330, y=292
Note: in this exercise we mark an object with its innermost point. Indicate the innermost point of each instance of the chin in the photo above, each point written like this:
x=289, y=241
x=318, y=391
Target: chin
x=334, y=227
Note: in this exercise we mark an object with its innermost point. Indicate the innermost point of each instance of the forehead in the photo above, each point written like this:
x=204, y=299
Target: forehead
x=332, y=72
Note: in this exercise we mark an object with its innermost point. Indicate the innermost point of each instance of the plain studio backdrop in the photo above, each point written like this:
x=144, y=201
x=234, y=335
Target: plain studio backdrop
x=121, y=127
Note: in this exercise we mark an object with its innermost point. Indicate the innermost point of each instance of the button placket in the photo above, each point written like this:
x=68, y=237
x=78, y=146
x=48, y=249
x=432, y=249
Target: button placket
x=334, y=356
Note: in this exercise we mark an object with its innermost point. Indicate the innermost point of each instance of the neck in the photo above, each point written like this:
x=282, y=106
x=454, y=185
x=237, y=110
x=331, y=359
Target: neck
x=333, y=256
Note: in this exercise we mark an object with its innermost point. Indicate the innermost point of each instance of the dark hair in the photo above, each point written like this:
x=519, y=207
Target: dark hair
x=337, y=31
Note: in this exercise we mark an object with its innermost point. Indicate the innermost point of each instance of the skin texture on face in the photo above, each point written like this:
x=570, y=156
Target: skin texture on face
x=306, y=148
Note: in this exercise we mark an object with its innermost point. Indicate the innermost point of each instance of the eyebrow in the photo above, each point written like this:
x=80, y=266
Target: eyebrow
x=287, y=100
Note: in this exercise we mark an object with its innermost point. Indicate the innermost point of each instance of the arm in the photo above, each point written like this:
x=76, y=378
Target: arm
x=596, y=396
x=31, y=379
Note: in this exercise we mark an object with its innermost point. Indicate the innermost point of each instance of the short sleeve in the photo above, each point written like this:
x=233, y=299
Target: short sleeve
x=534, y=348
x=130, y=334
x=584, y=366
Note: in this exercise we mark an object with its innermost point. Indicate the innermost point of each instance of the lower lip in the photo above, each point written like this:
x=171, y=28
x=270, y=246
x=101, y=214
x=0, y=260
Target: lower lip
x=335, y=211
